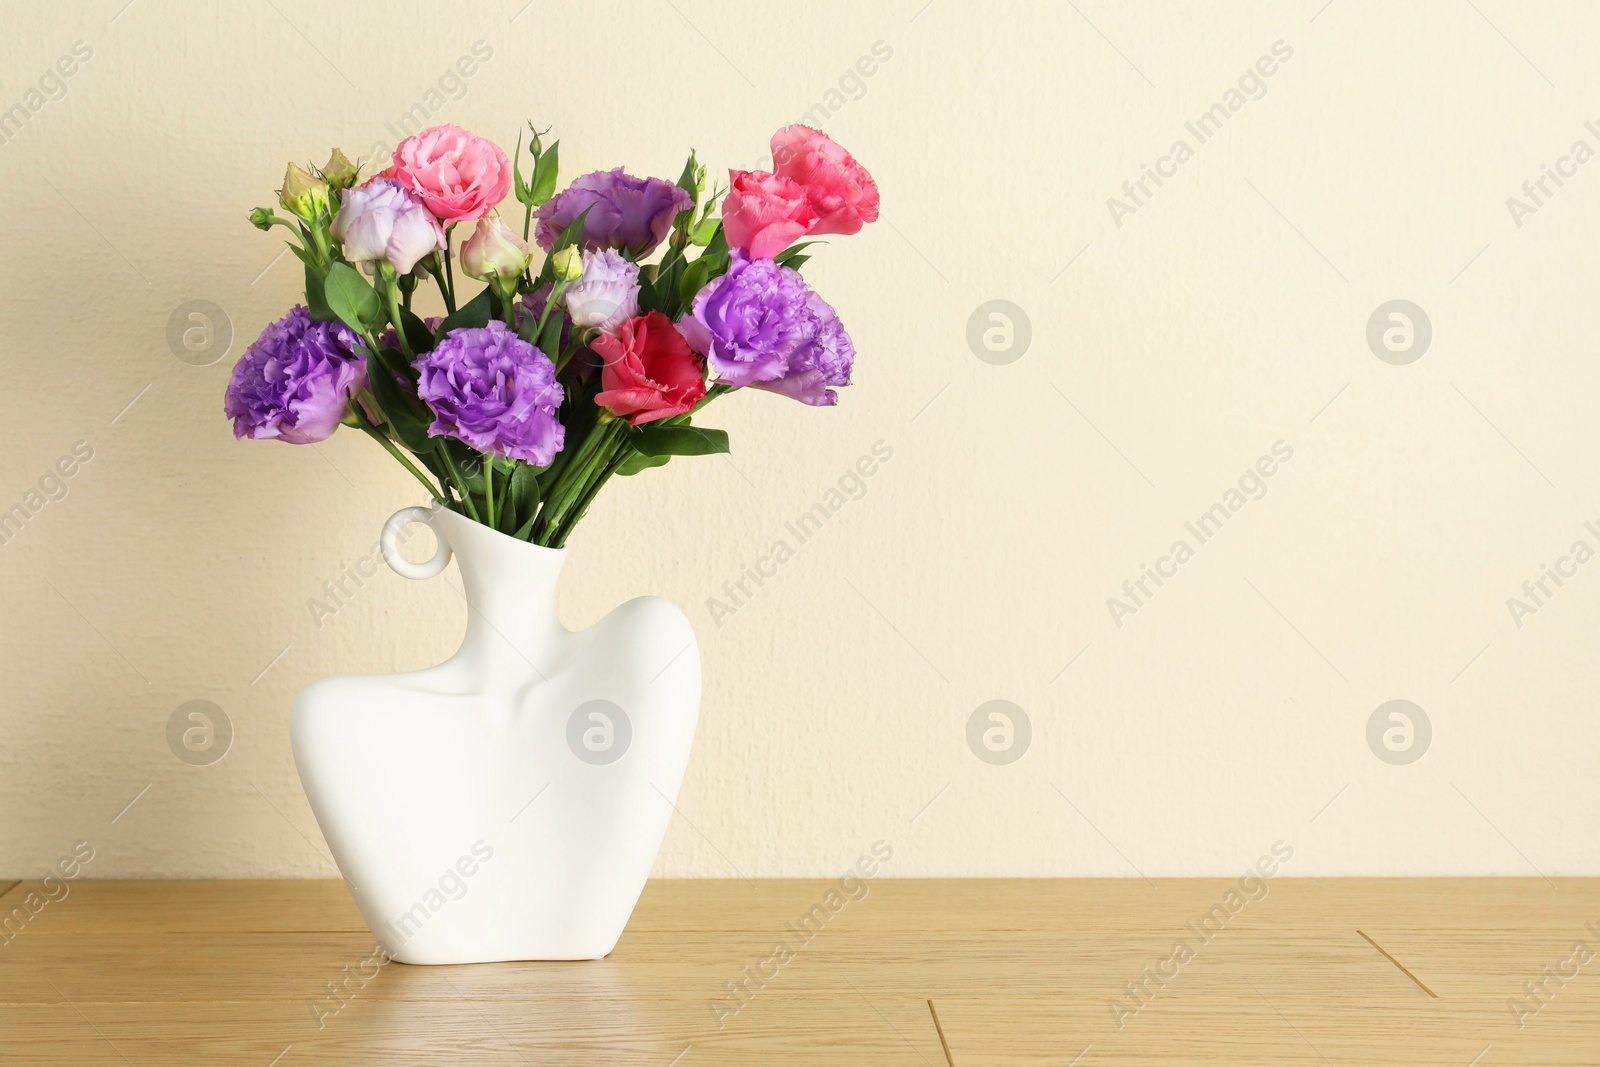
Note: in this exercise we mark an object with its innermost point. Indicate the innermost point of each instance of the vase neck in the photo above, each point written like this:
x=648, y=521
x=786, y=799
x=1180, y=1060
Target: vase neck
x=510, y=588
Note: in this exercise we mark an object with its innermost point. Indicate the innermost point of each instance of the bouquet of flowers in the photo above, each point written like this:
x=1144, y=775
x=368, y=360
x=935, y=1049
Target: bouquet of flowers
x=517, y=405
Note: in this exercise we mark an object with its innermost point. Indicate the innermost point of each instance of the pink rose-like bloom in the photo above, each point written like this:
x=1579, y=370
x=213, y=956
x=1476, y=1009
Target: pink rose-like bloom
x=765, y=213
x=649, y=371
x=459, y=175
x=841, y=192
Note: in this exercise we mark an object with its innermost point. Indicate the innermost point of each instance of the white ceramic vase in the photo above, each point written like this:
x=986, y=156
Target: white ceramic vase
x=507, y=804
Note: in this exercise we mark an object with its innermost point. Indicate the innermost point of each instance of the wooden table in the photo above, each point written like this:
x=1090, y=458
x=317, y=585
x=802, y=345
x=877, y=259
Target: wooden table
x=917, y=972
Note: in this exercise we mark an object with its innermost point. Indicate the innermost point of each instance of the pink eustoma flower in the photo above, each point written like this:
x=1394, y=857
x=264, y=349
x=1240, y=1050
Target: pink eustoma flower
x=459, y=175
x=764, y=213
x=840, y=190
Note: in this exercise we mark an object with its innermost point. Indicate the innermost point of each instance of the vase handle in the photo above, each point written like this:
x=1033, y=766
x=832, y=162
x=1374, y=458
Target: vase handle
x=391, y=550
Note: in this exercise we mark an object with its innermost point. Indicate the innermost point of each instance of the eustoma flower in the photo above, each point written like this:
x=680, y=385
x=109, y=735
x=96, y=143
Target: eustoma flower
x=627, y=213
x=382, y=221
x=764, y=213
x=760, y=325
x=295, y=382
x=606, y=294
x=840, y=190
x=649, y=371
x=494, y=391
x=459, y=175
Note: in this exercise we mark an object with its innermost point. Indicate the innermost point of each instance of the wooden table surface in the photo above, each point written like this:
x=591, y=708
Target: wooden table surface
x=917, y=972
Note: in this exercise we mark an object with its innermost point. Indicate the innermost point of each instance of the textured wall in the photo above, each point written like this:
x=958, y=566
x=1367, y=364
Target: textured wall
x=1174, y=340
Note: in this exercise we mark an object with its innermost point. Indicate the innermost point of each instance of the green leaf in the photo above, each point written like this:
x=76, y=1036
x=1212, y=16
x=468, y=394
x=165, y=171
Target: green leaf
x=647, y=287
x=543, y=185
x=351, y=298
x=573, y=233
x=687, y=180
x=665, y=289
x=418, y=334
x=408, y=417
x=528, y=328
x=695, y=278
x=640, y=462
x=474, y=314
x=316, y=301
x=524, y=491
x=550, y=342
x=656, y=440
x=792, y=257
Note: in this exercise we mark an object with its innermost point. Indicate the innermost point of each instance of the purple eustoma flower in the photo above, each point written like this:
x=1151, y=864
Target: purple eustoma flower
x=627, y=213
x=825, y=361
x=295, y=382
x=495, y=391
x=760, y=325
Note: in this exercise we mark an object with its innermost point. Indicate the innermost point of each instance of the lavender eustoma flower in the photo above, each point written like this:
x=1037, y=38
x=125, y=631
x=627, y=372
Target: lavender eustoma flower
x=383, y=220
x=295, y=382
x=606, y=295
x=626, y=213
x=760, y=325
x=495, y=391
x=826, y=361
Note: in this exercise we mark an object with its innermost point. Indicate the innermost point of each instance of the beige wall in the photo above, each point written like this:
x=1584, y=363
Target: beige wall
x=1172, y=346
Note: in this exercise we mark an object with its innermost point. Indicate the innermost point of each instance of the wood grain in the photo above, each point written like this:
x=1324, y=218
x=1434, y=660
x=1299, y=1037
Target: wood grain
x=1500, y=963
x=1316, y=971
x=1347, y=1031
x=456, y=1031
x=107, y=906
x=1003, y=964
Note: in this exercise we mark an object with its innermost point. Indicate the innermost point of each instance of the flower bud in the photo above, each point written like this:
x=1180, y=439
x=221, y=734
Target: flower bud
x=494, y=252
x=568, y=264
x=339, y=172
x=702, y=234
x=303, y=195
x=262, y=218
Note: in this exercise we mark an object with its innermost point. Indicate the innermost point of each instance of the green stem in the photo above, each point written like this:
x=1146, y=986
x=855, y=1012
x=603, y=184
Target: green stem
x=573, y=479
x=620, y=451
x=574, y=346
x=488, y=488
x=449, y=271
x=378, y=436
x=717, y=389
x=436, y=268
x=323, y=250
x=506, y=290
x=460, y=482
x=559, y=287
x=391, y=297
